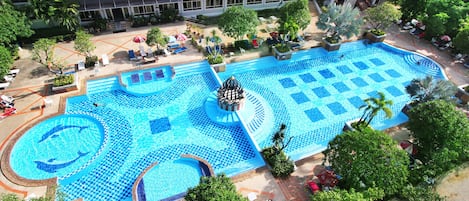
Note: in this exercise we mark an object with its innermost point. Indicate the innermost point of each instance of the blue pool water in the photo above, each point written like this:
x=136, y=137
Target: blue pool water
x=159, y=119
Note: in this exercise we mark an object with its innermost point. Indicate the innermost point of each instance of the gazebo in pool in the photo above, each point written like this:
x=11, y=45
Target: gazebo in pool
x=231, y=96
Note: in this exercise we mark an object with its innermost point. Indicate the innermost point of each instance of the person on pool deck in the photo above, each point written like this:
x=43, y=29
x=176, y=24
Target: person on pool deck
x=96, y=104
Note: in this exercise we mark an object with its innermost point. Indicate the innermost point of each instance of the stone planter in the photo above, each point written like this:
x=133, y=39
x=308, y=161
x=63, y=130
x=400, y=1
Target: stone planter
x=462, y=94
x=406, y=109
x=348, y=125
x=219, y=67
x=68, y=87
x=330, y=46
x=375, y=38
x=281, y=55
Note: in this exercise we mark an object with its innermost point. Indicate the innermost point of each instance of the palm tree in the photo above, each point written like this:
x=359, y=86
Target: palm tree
x=372, y=107
x=279, y=138
x=427, y=89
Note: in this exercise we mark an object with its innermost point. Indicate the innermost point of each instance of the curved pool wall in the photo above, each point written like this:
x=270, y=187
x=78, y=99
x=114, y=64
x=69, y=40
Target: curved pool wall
x=317, y=91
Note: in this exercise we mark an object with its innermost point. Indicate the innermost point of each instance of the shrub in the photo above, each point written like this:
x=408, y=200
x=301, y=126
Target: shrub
x=333, y=39
x=214, y=188
x=242, y=44
x=169, y=15
x=90, y=61
x=282, y=48
x=412, y=193
x=63, y=80
x=215, y=59
x=377, y=32
x=281, y=165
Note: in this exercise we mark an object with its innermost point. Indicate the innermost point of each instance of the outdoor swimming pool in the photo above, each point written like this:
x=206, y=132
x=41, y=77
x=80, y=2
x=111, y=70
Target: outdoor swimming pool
x=314, y=94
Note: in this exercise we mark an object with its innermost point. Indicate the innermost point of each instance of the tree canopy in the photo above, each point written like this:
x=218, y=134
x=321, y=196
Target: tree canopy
x=43, y=51
x=13, y=24
x=340, y=194
x=156, y=37
x=368, y=159
x=238, y=21
x=294, y=16
x=426, y=89
x=461, y=41
x=83, y=43
x=382, y=16
x=5, y=61
x=219, y=187
x=63, y=12
x=340, y=20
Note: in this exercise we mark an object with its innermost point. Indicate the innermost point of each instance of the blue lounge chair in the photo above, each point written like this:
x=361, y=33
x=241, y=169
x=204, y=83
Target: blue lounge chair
x=182, y=49
x=147, y=76
x=132, y=55
x=159, y=73
x=135, y=78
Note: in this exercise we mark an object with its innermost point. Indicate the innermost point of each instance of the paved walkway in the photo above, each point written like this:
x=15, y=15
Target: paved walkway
x=32, y=87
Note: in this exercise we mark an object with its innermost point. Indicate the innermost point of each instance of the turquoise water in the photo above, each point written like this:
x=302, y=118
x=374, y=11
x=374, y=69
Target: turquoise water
x=159, y=119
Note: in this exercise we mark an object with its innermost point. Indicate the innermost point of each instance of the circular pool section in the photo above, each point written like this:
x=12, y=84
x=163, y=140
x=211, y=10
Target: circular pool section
x=57, y=147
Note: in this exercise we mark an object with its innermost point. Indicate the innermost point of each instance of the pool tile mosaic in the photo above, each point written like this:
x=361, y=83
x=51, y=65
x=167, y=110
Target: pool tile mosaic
x=393, y=73
x=356, y=101
x=344, y=69
x=326, y=73
x=341, y=87
x=300, y=97
x=314, y=115
x=160, y=125
x=373, y=94
x=376, y=77
x=287, y=82
x=307, y=78
x=321, y=92
x=394, y=91
x=336, y=108
x=377, y=62
x=359, y=82
x=360, y=65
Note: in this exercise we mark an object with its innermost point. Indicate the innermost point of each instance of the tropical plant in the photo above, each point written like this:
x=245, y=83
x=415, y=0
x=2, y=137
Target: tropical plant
x=238, y=21
x=215, y=56
x=83, y=43
x=215, y=59
x=340, y=20
x=340, y=194
x=461, y=41
x=63, y=80
x=427, y=89
x=368, y=159
x=63, y=12
x=156, y=37
x=282, y=47
x=382, y=16
x=219, y=187
x=281, y=164
x=43, y=51
x=294, y=16
x=14, y=24
x=371, y=108
x=416, y=193
x=5, y=61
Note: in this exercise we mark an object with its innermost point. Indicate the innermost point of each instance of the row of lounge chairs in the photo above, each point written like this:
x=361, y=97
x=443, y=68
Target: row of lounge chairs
x=9, y=78
x=147, y=76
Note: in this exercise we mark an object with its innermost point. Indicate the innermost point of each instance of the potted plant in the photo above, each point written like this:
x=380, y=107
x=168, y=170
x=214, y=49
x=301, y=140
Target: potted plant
x=380, y=18
x=332, y=20
x=65, y=82
x=217, y=62
x=370, y=109
x=281, y=51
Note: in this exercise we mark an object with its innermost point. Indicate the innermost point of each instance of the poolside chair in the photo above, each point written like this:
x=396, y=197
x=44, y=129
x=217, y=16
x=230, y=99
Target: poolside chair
x=135, y=78
x=172, y=46
x=8, y=112
x=8, y=99
x=4, y=85
x=81, y=65
x=132, y=56
x=8, y=78
x=14, y=72
x=147, y=76
x=159, y=73
x=255, y=44
x=180, y=50
x=150, y=52
x=105, y=59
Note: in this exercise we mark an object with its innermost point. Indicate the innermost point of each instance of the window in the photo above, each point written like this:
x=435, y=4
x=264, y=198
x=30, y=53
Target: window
x=254, y=1
x=164, y=7
x=144, y=10
x=214, y=3
x=89, y=15
x=271, y=1
x=234, y=2
x=191, y=4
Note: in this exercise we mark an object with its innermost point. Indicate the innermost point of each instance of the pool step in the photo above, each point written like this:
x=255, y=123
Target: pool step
x=192, y=68
x=251, y=65
x=422, y=64
x=102, y=85
x=258, y=119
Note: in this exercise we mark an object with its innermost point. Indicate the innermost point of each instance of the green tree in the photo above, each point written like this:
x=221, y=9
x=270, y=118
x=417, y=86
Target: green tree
x=214, y=188
x=349, y=195
x=444, y=17
x=461, y=41
x=43, y=51
x=382, y=16
x=14, y=24
x=427, y=89
x=436, y=24
x=368, y=159
x=63, y=12
x=5, y=61
x=419, y=193
x=83, y=43
x=412, y=8
x=339, y=21
x=281, y=164
x=372, y=107
x=294, y=16
x=238, y=21
x=156, y=37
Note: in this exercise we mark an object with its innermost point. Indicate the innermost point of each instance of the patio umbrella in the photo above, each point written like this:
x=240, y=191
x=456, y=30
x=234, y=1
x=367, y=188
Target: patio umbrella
x=139, y=39
x=181, y=37
x=172, y=39
x=408, y=147
x=445, y=38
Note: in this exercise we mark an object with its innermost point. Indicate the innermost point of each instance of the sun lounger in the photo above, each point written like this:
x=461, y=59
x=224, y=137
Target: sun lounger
x=147, y=60
x=105, y=59
x=8, y=78
x=8, y=112
x=14, y=72
x=8, y=99
x=81, y=65
x=159, y=73
x=4, y=85
x=182, y=49
x=172, y=46
x=147, y=76
x=132, y=56
x=135, y=78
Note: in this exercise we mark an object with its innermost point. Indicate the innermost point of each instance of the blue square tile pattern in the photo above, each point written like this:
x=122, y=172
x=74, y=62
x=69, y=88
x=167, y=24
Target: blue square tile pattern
x=360, y=65
x=287, y=83
x=394, y=91
x=344, y=69
x=321, y=92
x=160, y=125
x=314, y=115
x=336, y=108
x=307, y=78
x=300, y=97
x=341, y=87
x=377, y=62
x=393, y=73
x=356, y=101
x=359, y=82
x=376, y=77
x=326, y=73
x=373, y=94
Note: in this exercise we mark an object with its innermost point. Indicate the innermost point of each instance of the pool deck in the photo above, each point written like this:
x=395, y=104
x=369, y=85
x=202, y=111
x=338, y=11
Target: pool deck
x=34, y=99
